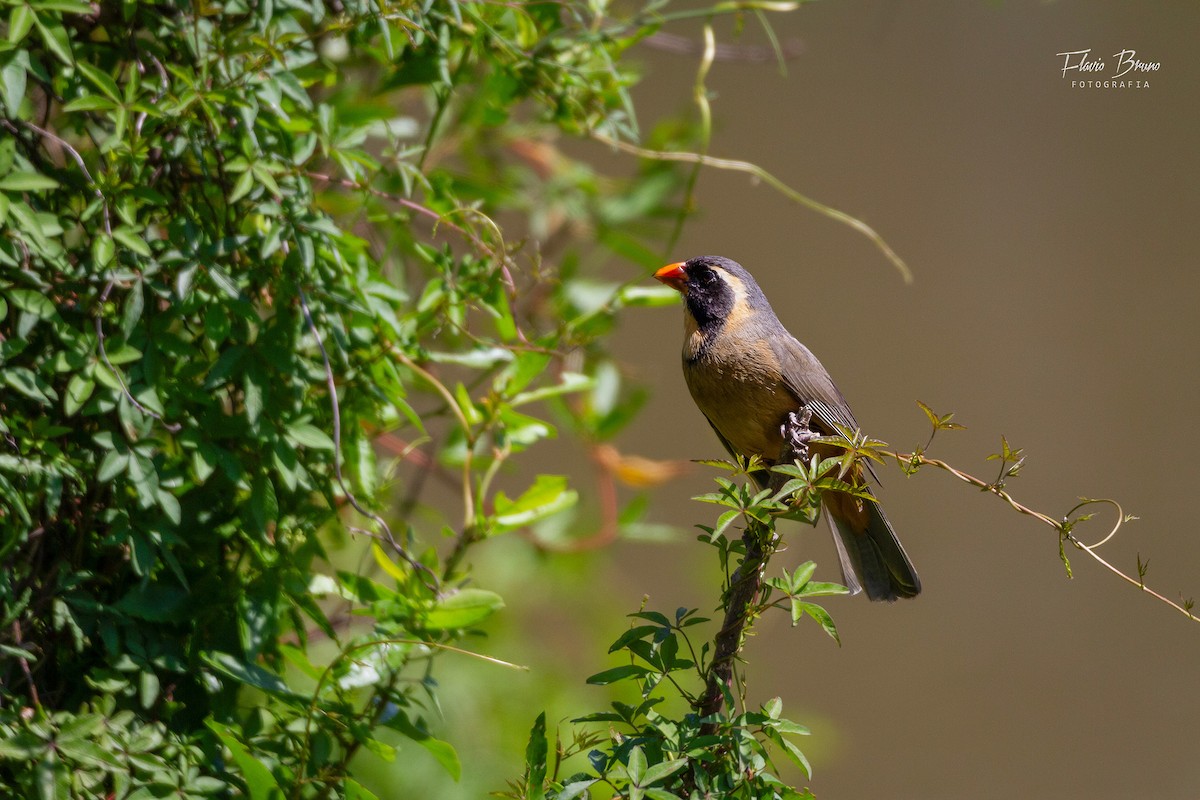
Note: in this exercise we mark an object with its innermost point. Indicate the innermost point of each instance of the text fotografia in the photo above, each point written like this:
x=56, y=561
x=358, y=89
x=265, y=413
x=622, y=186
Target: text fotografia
x=1129, y=73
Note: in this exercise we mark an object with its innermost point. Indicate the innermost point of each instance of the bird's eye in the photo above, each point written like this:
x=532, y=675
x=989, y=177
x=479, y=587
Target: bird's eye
x=708, y=277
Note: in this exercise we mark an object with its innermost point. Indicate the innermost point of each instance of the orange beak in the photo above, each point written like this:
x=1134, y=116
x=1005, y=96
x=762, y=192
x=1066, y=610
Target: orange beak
x=674, y=276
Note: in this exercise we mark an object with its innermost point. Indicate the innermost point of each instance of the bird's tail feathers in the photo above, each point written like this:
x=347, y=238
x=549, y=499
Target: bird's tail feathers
x=871, y=556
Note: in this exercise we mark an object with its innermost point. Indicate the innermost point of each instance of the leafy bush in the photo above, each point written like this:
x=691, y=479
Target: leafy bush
x=240, y=243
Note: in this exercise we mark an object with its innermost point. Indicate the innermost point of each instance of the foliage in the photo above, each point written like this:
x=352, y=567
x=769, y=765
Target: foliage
x=711, y=749
x=244, y=246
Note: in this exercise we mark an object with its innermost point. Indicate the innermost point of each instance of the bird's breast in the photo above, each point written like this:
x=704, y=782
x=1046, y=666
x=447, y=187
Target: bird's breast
x=741, y=391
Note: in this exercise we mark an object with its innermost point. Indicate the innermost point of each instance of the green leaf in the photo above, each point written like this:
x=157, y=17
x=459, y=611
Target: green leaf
x=242, y=187
x=264, y=503
x=548, y=495
x=154, y=602
x=130, y=239
x=24, y=746
x=35, y=303
x=148, y=689
x=386, y=564
x=103, y=251
x=253, y=381
x=356, y=791
x=170, y=506
x=569, y=382
x=90, y=102
x=29, y=384
x=442, y=752
x=574, y=789
x=308, y=435
x=20, y=21
x=819, y=614
x=102, y=81
x=653, y=616
x=14, y=68
x=822, y=588
x=535, y=760
x=27, y=182
x=527, y=366
x=789, y=727
x=64, y=6
x=802, y=575
x=648, y=296
x=249, y=674
x=621, y=673
x=798, y=757
x=663, y=769
x=54, y=35
x=637, y=765
x=260, y=783
x=382, y=749
x=113, y=464
x=633, y=634
x=654, y=793
x=223, y=281
x=365, y=468
x=462, y=609
x=131, y=314
x=479, y=358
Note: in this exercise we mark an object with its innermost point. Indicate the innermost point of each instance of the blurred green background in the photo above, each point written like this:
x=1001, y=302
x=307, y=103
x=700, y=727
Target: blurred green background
x=1052, y=231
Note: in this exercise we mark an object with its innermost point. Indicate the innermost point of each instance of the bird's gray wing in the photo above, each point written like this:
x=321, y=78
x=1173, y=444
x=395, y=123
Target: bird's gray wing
x=810, y=383
x=806, y=378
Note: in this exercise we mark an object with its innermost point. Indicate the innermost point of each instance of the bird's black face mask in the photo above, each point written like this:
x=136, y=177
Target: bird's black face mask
x=709, y=298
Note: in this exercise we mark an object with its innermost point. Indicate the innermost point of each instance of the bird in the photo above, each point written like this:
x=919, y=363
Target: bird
x=746, y=374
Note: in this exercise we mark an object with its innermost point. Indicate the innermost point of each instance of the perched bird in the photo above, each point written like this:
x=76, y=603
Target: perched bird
x=746, y=373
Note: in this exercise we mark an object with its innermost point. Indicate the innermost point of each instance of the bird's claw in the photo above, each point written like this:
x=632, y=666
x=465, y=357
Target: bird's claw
x=796, y=432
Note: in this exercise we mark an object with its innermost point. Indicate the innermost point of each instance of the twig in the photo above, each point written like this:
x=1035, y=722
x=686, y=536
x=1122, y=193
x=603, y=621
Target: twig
x=750, y=53
x=502, y=258
x=24, y=662
x=1060, y=526
x=700, y=96
x=766, y=177
x=173, y=427
x=78, y=159
x=428, y=577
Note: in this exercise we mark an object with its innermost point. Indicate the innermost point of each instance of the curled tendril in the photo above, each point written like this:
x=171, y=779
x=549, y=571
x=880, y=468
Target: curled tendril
x=1061, y=526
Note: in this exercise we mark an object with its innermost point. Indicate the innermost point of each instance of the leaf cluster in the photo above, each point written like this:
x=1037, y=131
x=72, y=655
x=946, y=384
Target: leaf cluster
x=677, y=740
x=246, y=250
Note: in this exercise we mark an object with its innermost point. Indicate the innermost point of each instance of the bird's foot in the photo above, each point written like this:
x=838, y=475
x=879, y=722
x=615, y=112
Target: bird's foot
x=797, y=435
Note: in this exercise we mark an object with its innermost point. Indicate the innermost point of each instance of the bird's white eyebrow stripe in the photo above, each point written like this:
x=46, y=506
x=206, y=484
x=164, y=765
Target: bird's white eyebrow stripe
x=735, y=283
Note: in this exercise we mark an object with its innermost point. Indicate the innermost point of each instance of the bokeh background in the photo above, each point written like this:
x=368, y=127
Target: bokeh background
x=1053, y=233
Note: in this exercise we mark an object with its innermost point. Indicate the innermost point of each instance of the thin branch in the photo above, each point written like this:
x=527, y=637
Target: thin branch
x=428, y=577
x=700, y=96
x=24, y=662
x=467, y=535
x=1061, y=526
x=78, y=159
x=766, y=177
x=173, y=427
x=502, y=258
x=748, y=53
